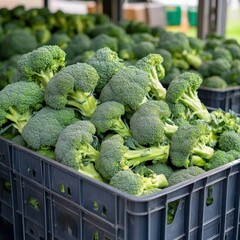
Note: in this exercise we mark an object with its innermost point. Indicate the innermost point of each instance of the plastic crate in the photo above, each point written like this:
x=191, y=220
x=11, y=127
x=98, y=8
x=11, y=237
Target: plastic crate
x=173, y=15
x=226, y=99
x=192, y=16
x=68, y=205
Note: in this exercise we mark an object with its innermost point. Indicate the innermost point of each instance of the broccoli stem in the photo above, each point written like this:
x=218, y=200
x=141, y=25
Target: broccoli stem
x=135, y=157
x=120, y=127
x=45, y=76
x=203, y=151
x=85, y=102
x=157, y=89
x=90, y=171
x=170, y=129
x=158, y=181
x=197, y=161
x=19, y=120
x=88, y=152
x=193, y=102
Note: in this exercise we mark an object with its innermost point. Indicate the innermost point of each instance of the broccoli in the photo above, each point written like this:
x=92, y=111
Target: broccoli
x=184, y=174
x=196, y=44
x=114, y=156
x=233, y=75
x=129, y=86
x=18, y=101
x=222, y=53
x=60, y=39
x=73, y=86
x=107, y=116
x=144, y=37
x=214, y=82
x=229, y=140
x=173, y=72
x=103, y=40
x=17, y=42
x=73, y=148
x=218, y=159
x=151, y=122
x=152, y=65
x=180, y=113
x=183, y=89
x=43, y=129
x=43, y=36
x=132, y=183
x=234, y=50
x=107, y=63
x=161, y=168
x=142, y=49
x=212, y=43
x=167, y=59
x=41, y=64
x=180, y=63
x=190, y=141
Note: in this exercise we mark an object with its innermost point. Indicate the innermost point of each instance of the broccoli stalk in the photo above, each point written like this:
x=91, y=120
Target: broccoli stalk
x=152, y=64
x=90, y=171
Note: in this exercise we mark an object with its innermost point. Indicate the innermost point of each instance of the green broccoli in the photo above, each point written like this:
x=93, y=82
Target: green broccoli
x=135, y=184
x=161, y=168
x=222, y=53
x=107, y=116
x=43, y=36
x=60, y=39
x=183, y=89
x=142, y=49
x=173, y=72
x=214, y=82
x=73, y=148
x=151, y=122
x=196, y=44
x=234, y=49
x=18, y=101
x=17, y=42
x=152, y=65
x=73, y=86
x=107, y=63
x=167, y=59
x=129, y=86
x=184, y=174
x=233, y=75
x=114, y=156
x=229, y=140
x=43, y=129
x=144, y=37
x=41, y=64
x=190, y=141
x=103, y=40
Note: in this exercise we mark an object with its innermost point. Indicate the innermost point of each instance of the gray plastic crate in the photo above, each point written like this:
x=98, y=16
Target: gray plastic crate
x=73, y=206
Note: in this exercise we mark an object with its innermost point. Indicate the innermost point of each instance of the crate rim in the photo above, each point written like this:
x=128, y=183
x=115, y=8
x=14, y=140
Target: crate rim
x=220, y=89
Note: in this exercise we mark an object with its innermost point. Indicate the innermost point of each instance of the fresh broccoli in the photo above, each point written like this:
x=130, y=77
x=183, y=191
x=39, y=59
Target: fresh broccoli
x=17, y=42
x=167, y=59
x=73, y=86
x=144, y=37
x=107, y=117
x=233, y=75
x=234, y=49
x=161, y=168
x=152, y=65
x=212, y=43
x=222, y=53
x=190, y=141
x=129, y=86
x=196, y=44
x=184, y=174
x=43, y=129
x=183, y=89
x=43, y=36
x=206, y=56
x=214, y=82
x=173, y=72
x=229, y=140
x=180, y=63
x=41, y=64
x=107, y=63
x=73, y=148
x=60, y=39
x=125, y=47
x=18, y=101
x=180, y=113
x=132, y=183
x=146, y=48
x=103, y=40
x=151, y=122
x=115, y=156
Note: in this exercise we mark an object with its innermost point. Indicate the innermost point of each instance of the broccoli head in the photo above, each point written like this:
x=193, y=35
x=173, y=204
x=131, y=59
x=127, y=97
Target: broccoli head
x=114, y=156
x=146, y=49
x=214, y=82
x=41, y=65
x=161, y=168
x=60, y=39
x=73, y=86
x=18, y=102
x=183, y=89
x=167, y=59
x=229, y=140
x=132, y=183
x=73, y=148
x=103, y=40
x=152, y=65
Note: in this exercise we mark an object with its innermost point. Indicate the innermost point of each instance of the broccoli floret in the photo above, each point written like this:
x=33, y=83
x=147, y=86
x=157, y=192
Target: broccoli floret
x=74, y=149
x=196, y=44
x=234, y=50
x=206, y=56
x=47, y=152
x=183, y=89
x=152, y=65
x=107, y=116
x=161, y=168
x=103, y=40
x=189, y=141
x=132, y=183
x=73, y=86
x=17, y=42
x=233, y=75
x=18, y=101
x=184, y=174
x=78, y=45
x=107, y=63
x=222, y=53
x=167, y=59
x=60, y=39
x=170, y=76
x=218, y=159
x=151, y=122
x=229, y=140
x=214, y=82
x=144, y=37
x=43, y=129
x=41, y=64
x=129, y=86
x=180, y=113
x=43, y=36
x=212, y=43
x=180, y=63
x=115, y=156
x=146, y=48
